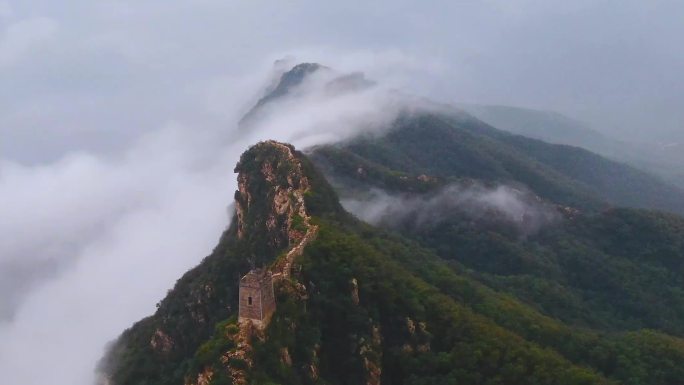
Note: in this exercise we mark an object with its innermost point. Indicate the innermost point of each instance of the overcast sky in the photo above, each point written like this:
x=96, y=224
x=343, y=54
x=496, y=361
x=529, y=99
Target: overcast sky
x=92, y=74
x=117, y=126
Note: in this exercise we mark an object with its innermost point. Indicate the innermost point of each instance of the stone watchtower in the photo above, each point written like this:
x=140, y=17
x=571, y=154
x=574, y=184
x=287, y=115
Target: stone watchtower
x=257, y=301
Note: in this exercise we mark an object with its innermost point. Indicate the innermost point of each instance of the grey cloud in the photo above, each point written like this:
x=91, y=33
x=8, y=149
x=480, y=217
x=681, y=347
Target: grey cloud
x=613, y=64
x=99, y=238
x=97, y=242
x=504, y=204
x=5, y=10
x=22, y=36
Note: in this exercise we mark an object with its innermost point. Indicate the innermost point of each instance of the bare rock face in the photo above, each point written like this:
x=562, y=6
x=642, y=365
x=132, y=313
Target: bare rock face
x=203, y=378
x=160, y=341
x=285, y=357
x=354, y=291
x=371, y=353
x=418, y=337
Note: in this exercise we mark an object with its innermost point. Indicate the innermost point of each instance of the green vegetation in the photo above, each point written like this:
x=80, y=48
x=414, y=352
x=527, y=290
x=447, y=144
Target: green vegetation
x=472, y=331
x=596, y=299
x=209, y=353
x=450, y=147
x=616, y=270
x=298, y=223
x=555, y=128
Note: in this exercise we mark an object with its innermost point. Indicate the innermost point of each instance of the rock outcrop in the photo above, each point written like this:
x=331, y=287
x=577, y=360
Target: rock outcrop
x=271, y=172
x=269, y=202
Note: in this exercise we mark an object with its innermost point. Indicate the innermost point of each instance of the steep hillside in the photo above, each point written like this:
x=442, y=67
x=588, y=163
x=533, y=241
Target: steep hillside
x=564, y=269
x=548, y=126
x=436, y=140
x=448, y=146
x=357, y=305
x=665, y=160
x=615, y=270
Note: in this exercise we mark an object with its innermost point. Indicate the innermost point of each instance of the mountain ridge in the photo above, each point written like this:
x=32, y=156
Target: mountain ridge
x=363, y=307
x=469, y=148
x=486, y=152
x=552, y=127
x=594, y=297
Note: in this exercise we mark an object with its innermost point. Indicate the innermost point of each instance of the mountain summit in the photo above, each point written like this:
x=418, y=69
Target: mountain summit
x=270, y=208
x=286, y=84
x=311, y=80
x=270, y=229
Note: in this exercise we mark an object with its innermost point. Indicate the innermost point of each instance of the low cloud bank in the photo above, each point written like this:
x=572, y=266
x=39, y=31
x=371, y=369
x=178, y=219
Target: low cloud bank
x=98, y=242
x=92, y=241
x=502, y=204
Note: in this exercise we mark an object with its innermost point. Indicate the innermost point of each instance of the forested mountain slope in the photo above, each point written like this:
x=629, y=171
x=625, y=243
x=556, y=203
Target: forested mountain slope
x=451, y=146
x=663, y=159
x=360, y=306
x=548, y=126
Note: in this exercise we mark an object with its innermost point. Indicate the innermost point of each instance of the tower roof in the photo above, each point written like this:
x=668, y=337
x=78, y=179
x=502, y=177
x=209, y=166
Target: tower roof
x=254, y=277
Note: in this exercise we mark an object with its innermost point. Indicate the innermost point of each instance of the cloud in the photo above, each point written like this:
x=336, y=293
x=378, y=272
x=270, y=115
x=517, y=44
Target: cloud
x=92, y=241
x=24, y=35
x=315, y=112
x=474, y=201
x=54, y=211
x=121, y=231
x=5, y=10
x=85, y=89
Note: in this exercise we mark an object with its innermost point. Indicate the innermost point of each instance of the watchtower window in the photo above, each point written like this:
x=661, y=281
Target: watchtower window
x=249, y=301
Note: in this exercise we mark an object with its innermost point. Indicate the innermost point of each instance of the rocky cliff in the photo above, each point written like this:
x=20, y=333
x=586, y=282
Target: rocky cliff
x=271, y=228
x=269, y=203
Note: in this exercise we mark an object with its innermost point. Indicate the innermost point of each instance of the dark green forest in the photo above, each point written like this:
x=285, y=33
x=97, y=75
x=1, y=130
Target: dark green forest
x=453, y=146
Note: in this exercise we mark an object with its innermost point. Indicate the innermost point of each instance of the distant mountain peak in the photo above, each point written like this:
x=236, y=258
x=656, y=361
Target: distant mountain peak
x=329, y=83
x=287, y=82
x=292, y=78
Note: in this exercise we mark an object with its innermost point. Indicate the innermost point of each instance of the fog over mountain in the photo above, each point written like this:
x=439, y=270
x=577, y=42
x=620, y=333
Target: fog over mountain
x=508, y=205
x=84, y=75
x=91, y=242
x=118, y=126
